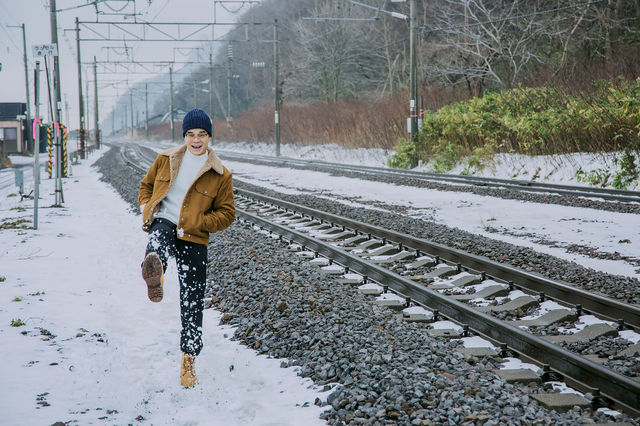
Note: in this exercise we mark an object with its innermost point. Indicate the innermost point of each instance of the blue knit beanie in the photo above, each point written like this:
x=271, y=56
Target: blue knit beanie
x=196, y=119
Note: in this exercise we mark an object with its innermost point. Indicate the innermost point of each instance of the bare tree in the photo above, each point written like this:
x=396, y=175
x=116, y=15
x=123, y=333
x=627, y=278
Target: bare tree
x=487, y=41
x=331, y=57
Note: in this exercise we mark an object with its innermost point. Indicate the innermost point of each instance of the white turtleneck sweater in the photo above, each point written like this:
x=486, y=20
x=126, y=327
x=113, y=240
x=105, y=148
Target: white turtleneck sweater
x=189, y=168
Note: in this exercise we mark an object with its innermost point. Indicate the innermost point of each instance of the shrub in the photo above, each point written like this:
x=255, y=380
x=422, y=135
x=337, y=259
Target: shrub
x=623, y=173
x=17, y=323
x=530, y=121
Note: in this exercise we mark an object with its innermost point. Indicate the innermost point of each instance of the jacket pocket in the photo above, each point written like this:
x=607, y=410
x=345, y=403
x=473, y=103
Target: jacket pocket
x=201, y=203
x=161, y=184
x=207, y=191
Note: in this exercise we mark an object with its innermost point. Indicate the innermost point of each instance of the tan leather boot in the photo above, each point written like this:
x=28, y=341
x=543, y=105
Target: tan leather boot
x=153, y=275
x=188, y=370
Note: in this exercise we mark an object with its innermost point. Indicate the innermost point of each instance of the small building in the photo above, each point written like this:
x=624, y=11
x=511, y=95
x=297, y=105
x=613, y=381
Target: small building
x=13, y=137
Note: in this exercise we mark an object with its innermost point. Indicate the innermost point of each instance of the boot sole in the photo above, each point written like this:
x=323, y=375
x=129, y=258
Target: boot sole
x=152, y=275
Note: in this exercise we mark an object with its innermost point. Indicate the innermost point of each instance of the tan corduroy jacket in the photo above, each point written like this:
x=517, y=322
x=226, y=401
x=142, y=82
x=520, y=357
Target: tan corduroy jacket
x=208, y=206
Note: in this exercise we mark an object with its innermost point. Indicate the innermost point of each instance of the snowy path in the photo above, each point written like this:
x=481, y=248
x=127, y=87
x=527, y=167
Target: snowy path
x=94, y=349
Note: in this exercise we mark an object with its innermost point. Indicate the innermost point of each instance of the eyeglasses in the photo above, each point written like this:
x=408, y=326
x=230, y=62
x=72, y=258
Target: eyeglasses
x=201, y=135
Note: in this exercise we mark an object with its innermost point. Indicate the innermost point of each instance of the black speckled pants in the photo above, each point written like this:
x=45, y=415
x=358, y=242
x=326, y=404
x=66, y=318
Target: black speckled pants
x=191, y=262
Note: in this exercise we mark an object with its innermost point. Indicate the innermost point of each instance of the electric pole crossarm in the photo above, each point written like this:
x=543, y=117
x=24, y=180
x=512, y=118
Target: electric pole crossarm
x=157, y=31
x=135, y=36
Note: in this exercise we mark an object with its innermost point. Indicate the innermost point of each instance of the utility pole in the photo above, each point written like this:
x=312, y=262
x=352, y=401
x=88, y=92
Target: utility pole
x=131, y=110
x=66, y=109
x=229, y=58
x=83, y=141
x=57, y=105
x=96, y=126
x=86, y=114
x=195, y=94
x=211, y=94
x=146, y=110
x=36, y=163
x=173, y=132
x=276, y=64
x=413, y=107
x=26, y=84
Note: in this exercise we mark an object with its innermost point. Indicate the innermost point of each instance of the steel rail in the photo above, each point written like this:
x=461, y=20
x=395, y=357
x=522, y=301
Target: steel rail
x=610, y=308
x=607, y=307
x=521, y=185
x=623, y=390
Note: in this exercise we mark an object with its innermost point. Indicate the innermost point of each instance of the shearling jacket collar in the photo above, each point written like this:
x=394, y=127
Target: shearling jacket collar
x=177, y=153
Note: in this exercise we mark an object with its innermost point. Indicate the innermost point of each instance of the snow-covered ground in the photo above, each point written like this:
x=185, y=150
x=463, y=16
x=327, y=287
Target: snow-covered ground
x=94, y=349
x=541, y=168
x=331, y=153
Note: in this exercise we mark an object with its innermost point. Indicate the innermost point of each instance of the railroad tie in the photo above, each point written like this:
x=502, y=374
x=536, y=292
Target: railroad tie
x=519, y=375
x=491, y=291
x=633, y=350
x=551, y=317
x=333, y=236
x=370, y=289
x=561, y=402
x=440, y=271
x=477, y=352
x=357, y=239
x=384, y=250
x=522, y=302
x=422, y=261
x=382, y=260
x=464, y=279
x=588, y=333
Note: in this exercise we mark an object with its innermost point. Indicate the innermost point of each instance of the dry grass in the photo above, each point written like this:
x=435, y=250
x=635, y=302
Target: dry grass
x=368, y=123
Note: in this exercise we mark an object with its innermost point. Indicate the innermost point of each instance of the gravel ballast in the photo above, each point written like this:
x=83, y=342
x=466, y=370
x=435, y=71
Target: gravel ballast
x=375, y=368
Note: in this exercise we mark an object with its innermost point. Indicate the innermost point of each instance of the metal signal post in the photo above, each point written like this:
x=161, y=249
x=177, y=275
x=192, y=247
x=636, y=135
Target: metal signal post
x=36, y=145
x=81, y=130
x=413, y=103
x=276, y=63
x=56, y=104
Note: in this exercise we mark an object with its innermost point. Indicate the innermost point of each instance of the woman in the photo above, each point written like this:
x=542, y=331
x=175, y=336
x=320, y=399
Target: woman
x=186, y=195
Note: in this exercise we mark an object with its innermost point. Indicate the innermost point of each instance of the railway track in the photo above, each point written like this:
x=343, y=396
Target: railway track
x=519, y=185
x=426, y=282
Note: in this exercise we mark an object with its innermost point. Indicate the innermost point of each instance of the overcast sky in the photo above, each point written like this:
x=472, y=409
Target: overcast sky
x=35, y=14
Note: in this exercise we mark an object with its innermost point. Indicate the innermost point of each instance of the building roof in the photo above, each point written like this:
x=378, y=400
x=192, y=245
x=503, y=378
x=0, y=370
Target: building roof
x=10, y=110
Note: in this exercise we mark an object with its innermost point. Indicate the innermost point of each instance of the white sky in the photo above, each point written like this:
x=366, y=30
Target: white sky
x=36, y=17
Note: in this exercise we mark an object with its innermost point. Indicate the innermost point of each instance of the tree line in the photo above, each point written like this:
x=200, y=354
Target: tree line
x=337, y=51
